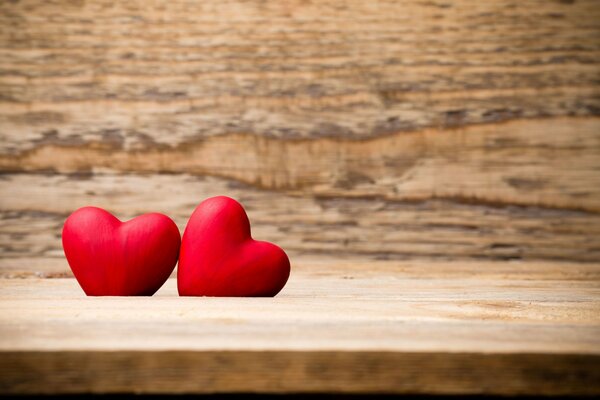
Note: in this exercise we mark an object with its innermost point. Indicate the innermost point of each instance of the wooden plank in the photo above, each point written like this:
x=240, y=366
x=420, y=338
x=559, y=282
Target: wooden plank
x=34, y=208
x=140, y=75
x=548, y=163
x=402, y=101
x=280, y=372
x=313, y=313
x=342, y=328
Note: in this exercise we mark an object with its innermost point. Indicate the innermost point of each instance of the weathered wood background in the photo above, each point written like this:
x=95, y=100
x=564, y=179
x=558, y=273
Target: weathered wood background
x=364, y=130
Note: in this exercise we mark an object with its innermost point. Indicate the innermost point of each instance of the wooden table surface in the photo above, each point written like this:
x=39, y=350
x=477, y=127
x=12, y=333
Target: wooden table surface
x=412, y=327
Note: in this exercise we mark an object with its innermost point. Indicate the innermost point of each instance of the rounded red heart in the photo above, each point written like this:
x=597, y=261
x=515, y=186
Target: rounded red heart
x=113, y=258
x=218, y=256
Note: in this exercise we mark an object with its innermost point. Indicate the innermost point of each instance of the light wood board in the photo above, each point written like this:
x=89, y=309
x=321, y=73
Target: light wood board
x=334, y=327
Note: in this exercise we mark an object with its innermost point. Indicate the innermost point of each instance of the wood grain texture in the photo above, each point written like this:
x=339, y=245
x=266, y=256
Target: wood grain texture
x=36, y=205
x=540, y=163
x=400, y=102
x=138, y=74
x=351, y=129
x=283, y=372
x=415, y=328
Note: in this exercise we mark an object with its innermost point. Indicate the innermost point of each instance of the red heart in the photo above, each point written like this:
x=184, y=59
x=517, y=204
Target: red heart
x=218, y=256
x=113, y=258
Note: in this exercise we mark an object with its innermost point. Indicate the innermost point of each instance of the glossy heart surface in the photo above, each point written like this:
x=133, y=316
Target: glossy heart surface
x=113, y=258
x=218, y=256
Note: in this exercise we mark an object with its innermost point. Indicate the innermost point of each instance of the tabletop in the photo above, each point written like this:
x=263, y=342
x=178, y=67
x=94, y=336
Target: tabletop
x=412, y=327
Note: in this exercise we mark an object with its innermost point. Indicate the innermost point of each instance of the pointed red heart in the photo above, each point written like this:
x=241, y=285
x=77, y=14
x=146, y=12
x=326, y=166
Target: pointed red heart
x=113, y=258
x=218, y=256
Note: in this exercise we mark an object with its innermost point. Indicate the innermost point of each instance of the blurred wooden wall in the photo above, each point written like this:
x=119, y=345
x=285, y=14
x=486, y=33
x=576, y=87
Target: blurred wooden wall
x=351, y=130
